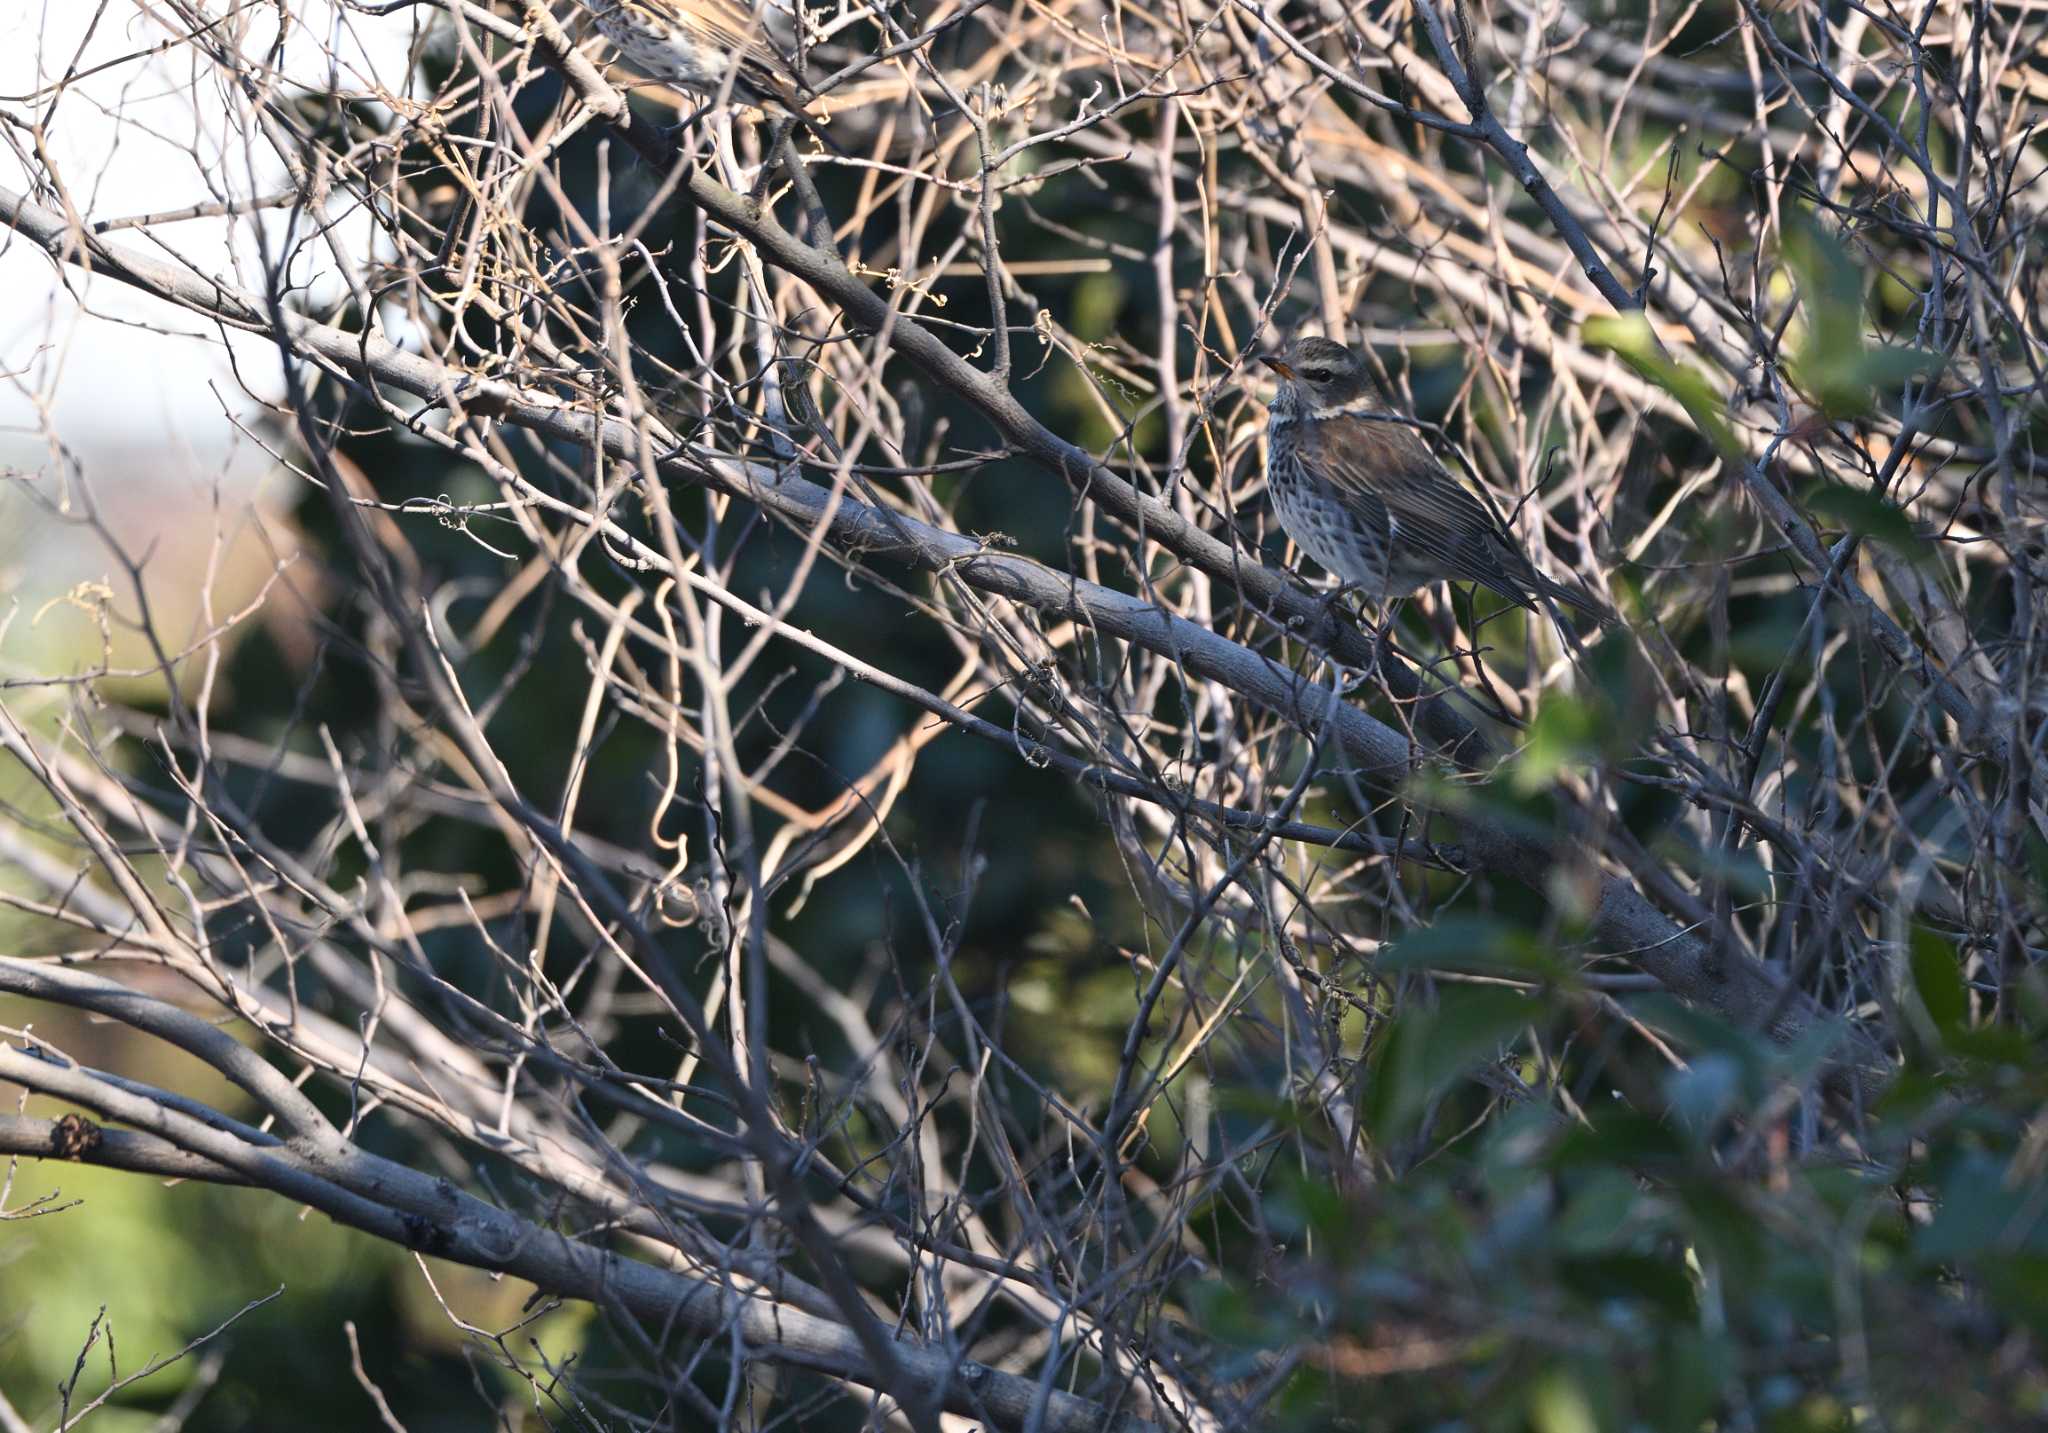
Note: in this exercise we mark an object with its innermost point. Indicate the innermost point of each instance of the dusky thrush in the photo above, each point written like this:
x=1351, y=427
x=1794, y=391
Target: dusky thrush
x=1358, y=489
x=696, y=44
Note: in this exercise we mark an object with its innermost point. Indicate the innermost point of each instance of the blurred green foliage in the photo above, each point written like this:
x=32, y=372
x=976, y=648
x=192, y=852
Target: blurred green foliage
x=1620, y=1270
x=154, y=1266
x=1834, y=362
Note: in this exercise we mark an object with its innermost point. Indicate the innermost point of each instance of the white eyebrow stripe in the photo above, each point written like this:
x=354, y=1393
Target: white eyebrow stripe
x=1371, y=415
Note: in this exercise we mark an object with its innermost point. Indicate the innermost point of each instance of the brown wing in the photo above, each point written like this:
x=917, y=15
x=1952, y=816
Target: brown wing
x=733, y=26
x=1438, y=523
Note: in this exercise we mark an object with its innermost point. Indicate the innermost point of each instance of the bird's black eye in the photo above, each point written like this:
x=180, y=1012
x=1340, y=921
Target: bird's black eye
x=1316, y=375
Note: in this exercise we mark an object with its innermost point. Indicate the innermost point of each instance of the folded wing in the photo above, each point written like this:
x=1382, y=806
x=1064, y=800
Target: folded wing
x=1436, y=522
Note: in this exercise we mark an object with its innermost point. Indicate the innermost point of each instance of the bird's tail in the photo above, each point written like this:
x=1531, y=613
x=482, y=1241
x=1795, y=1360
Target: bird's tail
x=1576, y=598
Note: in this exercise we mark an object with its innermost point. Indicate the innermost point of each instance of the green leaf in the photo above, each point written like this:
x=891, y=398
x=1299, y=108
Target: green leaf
x=1725, y=1228
x=1562, y=735
x=1868, y=515
x=1308, y=1205
x=1846, y=384
x=1741, y=870
x=1982, y=1213
x=1429, y=1048
x=1995, y=1045
x=1600, y=1215
x=1663, y=1282
x=1813, y=1413
x=1471, y=1022
x=1830, y=287
x=1704, y=1030
x=1532, y=814
x=1705, y=1089
x=1473, y=944
x=1692, y=1369
x=2019, y=1287
x=1631, y=339
x=1621, y=1137
x=1939, y=980
x=1909, y=1096
x=1888, y=364
x=1557, y=1404
x=1834, y=364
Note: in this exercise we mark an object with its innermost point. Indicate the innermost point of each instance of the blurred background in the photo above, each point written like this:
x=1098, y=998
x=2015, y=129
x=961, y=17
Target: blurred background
x=157, y=430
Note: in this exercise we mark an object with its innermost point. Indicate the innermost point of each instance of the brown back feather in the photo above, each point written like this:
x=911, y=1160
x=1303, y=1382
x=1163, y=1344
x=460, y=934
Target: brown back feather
x=1382, y=465
x=1441, y=523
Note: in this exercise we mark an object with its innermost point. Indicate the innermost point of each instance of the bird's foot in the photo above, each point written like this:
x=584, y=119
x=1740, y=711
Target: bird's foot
x=1333, y=603
x=1390, y=618
x=1382, y=633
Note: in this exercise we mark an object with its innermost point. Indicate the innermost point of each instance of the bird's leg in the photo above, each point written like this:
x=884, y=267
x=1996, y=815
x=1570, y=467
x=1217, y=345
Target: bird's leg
x=1332, y=611
x=1332, y=603
x=1389, y=617
x=669, y=136
x=677, y=133
x=1383, y=634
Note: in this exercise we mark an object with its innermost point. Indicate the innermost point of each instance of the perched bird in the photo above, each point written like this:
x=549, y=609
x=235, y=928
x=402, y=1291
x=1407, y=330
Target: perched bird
x=1358, y=489
x=696, y=44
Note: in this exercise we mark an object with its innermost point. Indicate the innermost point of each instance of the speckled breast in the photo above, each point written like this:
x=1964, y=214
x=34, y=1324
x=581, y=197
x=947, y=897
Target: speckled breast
x=1343, y=542
x=660, y=48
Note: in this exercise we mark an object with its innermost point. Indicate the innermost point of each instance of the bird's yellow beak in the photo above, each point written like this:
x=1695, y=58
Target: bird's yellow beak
x=1272, y=361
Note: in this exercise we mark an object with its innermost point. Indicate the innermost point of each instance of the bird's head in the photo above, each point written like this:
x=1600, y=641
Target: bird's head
x=1324, y=373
